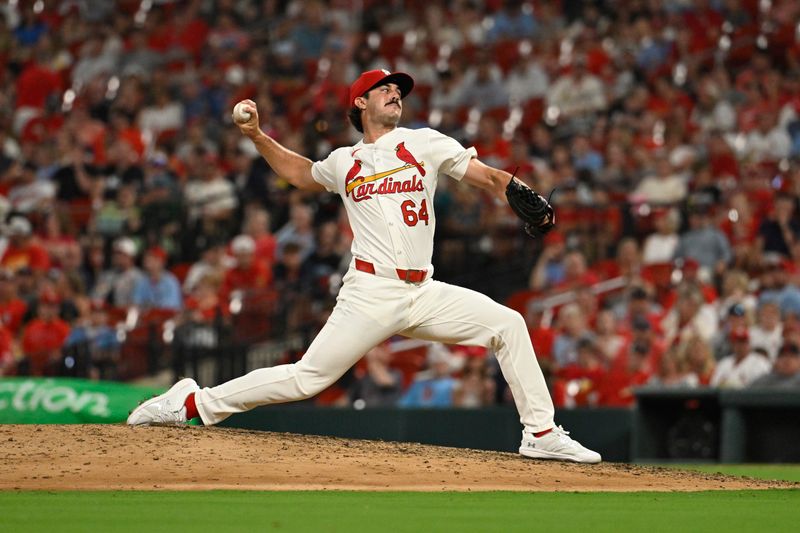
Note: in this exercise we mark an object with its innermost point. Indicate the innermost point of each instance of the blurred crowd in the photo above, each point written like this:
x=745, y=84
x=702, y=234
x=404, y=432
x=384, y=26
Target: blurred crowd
x=669, y=132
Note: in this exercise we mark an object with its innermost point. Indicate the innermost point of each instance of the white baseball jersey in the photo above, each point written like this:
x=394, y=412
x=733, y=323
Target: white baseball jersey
x=733, y=374
x=387, y=188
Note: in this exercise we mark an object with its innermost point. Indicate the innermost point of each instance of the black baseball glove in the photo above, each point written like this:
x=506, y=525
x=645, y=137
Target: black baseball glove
x=534, y=210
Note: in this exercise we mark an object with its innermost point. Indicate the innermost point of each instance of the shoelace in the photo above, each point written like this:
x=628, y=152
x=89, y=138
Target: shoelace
x=165, y=414
x=564, y=438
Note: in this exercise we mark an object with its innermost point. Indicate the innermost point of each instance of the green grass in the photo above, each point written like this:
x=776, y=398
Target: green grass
x=220, y=511
x=760, y=471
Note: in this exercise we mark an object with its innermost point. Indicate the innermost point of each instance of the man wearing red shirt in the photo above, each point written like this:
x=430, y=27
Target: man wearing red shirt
x=22, y=250
x=43, y=338
x=249, y=274
x=12, y=308
x=35, y=84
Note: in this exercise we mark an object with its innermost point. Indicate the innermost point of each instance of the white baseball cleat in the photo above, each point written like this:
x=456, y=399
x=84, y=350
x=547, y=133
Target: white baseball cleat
x=166, y=409
x=557, y=445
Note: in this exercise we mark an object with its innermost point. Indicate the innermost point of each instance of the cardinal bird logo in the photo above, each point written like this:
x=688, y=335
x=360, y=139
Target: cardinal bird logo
x=406, y=157
x=354, y=170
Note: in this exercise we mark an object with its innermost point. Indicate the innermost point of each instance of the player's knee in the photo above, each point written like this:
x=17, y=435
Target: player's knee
x=311, y=382
x=512, y=319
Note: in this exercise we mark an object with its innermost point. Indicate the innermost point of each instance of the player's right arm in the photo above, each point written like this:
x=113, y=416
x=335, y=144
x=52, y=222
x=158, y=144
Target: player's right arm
x=289, y=165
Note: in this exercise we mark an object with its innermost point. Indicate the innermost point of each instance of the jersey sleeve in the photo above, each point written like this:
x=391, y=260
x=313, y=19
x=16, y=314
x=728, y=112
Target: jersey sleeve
x=324, y=172
x=447, y=154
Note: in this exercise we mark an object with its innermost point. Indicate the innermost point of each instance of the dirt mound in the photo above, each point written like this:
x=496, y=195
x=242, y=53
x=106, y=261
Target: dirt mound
x=104, y=457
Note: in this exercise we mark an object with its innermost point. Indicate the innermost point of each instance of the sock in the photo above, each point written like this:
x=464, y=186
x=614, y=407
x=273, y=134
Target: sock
x=537, y=434
x=191, y=408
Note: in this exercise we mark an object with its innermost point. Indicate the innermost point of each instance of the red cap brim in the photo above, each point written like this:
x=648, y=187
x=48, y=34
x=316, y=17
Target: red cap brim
x=375, y=78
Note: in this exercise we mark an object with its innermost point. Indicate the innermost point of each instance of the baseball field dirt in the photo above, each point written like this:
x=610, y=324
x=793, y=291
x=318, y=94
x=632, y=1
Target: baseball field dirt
x=114, y=457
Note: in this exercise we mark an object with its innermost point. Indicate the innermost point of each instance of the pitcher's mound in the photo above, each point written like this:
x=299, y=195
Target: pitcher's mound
x=104, y=457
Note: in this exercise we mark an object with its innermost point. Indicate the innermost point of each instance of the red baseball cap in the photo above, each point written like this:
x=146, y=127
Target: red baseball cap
x=739, y=334
x=159, y=252
x=49, y=296
x=372, y=78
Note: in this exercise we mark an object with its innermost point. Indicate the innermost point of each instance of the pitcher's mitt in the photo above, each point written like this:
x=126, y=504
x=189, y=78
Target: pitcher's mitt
x=534, y=209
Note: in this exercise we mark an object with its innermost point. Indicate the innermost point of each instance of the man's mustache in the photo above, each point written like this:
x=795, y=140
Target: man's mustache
x=394, y=101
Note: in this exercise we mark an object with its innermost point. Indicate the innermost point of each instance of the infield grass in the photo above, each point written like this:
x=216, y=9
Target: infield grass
x=759, y=471
x=221, y=511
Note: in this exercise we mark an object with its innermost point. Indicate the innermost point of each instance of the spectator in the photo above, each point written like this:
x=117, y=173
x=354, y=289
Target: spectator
x=643, y=342
x=213, y=262
x=736, y=292
x=737, y=318
x=609, y=340
x=327, y=257
x=449, y=93
x=704, y=242
x=712, y=111
x=527, y=79
x=43, y=338
x=690, y=316
x=742, y=367
x=775, y=285
x=476, y=386
x=291, y=274
x=116, y=286
x=158, y=288
x=514, y=21
x=578, y=94
x=96, y=60
x=210, y=198
x=578, y=383
x=663, y=186
x=27, y=193
x=120, y=216
x=673, y=372
x=299, y=229
x=698, y=358
x=433, y=387
x=660, y=246
x=573, y=329
x=12, y=308
x=767, y=332
x=23, y=250
x=616, y=389
x=639, y=302
x=164, y=115
x=203, y=303
x=257, y=225
x=489, y=142
x=785, y=372
x=769, y=141
x=94, y=339
x=249, y=273
x=8, y=360
x=781, y=230
x=380, y=385
x=483, y=87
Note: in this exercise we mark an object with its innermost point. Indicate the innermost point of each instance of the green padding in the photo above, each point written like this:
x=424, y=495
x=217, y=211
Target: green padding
x=67, y=401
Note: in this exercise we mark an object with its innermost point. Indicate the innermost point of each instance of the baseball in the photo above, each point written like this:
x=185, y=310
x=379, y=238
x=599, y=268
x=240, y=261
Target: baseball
x=240, y=116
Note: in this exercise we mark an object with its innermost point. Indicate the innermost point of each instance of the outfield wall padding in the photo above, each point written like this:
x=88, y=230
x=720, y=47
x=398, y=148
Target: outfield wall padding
x=497, y=428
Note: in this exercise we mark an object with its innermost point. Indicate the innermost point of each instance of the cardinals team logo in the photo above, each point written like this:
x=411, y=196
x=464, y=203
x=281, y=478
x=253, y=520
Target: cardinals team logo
x=353, y=174
x=363, y=188
x=407, y=157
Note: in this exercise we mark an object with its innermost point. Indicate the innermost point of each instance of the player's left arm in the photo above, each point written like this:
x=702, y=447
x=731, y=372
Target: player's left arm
x=491, y=179
x=533, y=209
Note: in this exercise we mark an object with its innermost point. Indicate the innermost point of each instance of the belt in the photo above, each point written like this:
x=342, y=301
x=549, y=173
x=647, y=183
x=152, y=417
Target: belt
x=407, y=275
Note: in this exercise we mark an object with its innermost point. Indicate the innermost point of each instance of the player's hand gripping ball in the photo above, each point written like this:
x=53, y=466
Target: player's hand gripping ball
x=240, y=113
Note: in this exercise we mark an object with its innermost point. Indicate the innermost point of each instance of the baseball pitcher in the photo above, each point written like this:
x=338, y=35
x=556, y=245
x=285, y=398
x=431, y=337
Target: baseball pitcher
x=387, y=182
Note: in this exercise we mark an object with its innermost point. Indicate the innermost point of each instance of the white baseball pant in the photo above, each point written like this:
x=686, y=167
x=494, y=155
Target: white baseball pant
x=369, y=310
